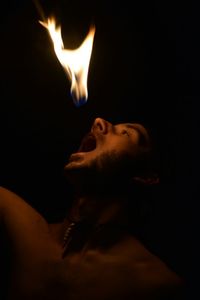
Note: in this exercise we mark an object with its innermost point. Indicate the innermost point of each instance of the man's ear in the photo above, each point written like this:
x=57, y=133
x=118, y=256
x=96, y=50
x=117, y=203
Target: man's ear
x=149, y=179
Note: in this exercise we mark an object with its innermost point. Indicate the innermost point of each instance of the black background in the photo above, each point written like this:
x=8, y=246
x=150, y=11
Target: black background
x=144, y=67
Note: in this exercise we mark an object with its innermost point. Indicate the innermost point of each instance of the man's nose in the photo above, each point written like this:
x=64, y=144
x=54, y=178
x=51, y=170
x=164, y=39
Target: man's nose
x=102, y=126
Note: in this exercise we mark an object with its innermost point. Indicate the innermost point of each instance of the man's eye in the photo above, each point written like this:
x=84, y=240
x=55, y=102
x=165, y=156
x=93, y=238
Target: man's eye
x=125, y=132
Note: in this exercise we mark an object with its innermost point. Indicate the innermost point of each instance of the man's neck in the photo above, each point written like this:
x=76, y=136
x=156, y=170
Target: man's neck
x=98, y=209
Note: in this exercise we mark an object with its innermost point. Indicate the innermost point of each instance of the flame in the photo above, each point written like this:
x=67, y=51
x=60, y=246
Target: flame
x=75, y=62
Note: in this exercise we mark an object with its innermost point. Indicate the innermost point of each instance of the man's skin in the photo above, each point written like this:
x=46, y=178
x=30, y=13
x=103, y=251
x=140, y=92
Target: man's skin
x=102, y=260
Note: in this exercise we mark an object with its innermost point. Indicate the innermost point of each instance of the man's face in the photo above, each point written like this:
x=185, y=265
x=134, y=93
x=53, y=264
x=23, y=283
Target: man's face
x=107, y=149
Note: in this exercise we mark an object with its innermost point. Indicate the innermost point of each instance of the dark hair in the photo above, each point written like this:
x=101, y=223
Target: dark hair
x=160, y=157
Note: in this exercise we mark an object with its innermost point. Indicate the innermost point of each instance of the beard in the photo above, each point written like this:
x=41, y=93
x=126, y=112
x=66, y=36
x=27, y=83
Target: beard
x=107, y=173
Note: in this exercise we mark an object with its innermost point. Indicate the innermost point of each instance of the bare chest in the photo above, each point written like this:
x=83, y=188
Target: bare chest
x=98, y=276
x=94, y=275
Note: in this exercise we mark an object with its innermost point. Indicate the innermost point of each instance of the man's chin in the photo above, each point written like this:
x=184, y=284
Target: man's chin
x=77, y=174
x=71, y=171
x=74, y=161
x=71, y=166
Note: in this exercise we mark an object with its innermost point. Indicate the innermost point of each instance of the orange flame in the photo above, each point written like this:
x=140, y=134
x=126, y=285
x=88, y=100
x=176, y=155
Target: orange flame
x=75, y=62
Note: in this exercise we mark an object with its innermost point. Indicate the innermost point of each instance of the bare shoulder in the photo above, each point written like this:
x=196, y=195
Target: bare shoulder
x=26, y=227
x=158, y=278
x=148, y=275
x=8, y=197
x=164, y=282
x=13, y=206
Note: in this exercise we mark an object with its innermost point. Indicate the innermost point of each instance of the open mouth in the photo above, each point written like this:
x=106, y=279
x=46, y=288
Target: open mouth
x=88, y=143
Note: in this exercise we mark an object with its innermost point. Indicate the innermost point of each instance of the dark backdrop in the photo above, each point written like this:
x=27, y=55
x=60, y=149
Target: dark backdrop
x=144, y=67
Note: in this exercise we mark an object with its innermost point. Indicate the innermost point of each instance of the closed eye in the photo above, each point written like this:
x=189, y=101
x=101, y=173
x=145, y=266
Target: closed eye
x=142, y=137
x=125, y=132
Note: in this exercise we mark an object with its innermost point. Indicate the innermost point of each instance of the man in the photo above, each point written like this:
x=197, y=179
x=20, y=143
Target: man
x=93, y=253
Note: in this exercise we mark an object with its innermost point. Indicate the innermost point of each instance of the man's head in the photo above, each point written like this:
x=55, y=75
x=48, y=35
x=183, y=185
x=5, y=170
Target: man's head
x=110, y=155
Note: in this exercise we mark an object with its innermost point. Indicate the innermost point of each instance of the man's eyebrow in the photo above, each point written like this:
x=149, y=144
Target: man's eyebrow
x=132, y=126
x=142, y=136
